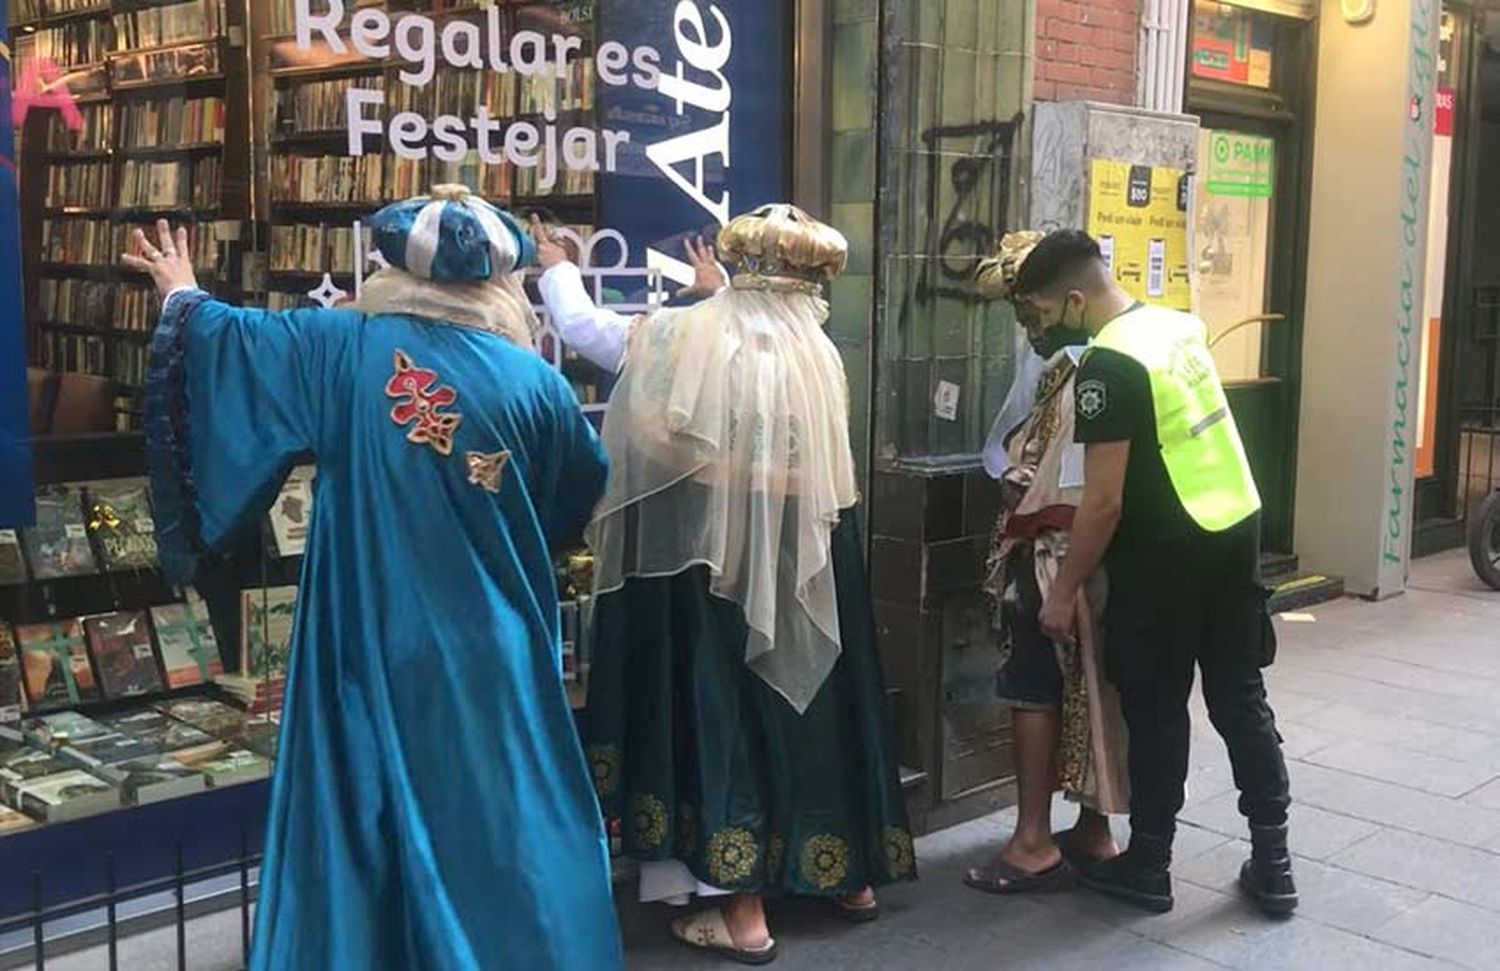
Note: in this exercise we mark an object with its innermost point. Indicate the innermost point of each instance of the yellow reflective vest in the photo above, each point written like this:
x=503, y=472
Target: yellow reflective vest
x=1200, y=444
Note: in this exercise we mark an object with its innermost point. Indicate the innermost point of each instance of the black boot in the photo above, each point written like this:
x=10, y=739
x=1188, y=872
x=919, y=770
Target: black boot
x=1267, y=876
x=1139, y=876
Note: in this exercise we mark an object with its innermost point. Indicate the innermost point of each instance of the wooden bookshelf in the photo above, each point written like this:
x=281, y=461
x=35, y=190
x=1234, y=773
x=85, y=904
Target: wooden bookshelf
x=149, y=63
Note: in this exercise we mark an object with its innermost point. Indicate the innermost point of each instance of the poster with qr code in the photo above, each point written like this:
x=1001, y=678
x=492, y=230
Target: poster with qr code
x=1139, y=215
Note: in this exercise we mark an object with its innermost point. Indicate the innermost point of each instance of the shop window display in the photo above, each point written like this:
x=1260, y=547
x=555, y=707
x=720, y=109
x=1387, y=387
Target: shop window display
x=273, y=137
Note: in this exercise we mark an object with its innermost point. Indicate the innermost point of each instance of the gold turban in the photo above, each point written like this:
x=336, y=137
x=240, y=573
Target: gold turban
x=996, y=276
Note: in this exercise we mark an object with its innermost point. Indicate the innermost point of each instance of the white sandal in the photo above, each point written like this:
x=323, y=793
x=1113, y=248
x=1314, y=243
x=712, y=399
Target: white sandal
x=707, y=931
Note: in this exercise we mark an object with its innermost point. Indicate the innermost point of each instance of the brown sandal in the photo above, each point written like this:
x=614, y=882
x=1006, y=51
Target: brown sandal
x=1002, y=877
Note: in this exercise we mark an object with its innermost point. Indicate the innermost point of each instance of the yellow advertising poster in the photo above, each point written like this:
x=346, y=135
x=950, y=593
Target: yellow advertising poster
x=1138, y=213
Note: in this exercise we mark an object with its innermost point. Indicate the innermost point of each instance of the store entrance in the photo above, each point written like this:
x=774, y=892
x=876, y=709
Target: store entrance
x=1248, y=85
x=1458, y=461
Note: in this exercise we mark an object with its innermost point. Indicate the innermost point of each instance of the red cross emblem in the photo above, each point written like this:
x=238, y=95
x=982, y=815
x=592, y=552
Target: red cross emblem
x=420, y=406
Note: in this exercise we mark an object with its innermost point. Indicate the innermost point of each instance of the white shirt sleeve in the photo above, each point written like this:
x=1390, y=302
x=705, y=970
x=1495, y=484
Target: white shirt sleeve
x=599, y=335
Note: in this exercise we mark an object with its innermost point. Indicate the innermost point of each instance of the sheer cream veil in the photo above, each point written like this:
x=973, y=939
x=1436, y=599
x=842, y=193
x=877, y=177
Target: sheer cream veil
x=728, y=443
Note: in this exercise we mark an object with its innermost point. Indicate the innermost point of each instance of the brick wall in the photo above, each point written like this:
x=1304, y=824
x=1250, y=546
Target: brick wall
x=1085, y=50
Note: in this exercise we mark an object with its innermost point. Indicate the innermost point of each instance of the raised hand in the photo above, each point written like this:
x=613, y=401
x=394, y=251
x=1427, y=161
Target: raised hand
x=549, y=251
x=168, y=261
x=708, y=276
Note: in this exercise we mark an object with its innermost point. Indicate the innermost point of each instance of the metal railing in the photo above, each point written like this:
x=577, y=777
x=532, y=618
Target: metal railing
x=112, y=896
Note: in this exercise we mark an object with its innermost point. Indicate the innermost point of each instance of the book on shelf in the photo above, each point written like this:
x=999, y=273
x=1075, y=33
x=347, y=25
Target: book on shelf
x=162, y=732
x=12, y=560
x=10, y=677
x=55, y=665
x=77, y=43
x=53, y=731
x=161, y=26
x=73, y=353
x=172, y=122
x=21, y=761
x=105, y=750
x=233, y=767
x=123, y=654
x=58, y=545
x=83, y=185
x=319, y=106
x=291, y=513
x=153, y=778
x=178, y=64
x=76, y=303
x=266, y=615
x=96, y=134
x=258, y=696
x=24, y=11
x=312, y=248
x=157, y=185
x=137, y=308
x=81, y=241
x=119, y=517
x=207, y=715
x=185, y=638
x=69, y=795
x=326, y=179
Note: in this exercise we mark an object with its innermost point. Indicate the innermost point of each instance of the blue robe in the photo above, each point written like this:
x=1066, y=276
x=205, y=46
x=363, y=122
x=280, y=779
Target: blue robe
x=431, y=806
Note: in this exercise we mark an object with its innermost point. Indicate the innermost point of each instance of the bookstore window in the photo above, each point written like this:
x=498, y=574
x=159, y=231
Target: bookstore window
x=273, y=140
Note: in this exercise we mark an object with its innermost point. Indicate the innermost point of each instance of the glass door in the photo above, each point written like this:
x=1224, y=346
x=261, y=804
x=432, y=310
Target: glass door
x=1249, y=81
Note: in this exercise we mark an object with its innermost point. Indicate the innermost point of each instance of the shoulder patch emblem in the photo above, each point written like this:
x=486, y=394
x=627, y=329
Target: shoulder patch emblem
x=420, y=403
x=1093, y=398
x=486, y=468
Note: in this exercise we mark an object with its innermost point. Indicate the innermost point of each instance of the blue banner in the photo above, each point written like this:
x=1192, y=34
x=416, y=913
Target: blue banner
x=711, y=137
x=16, y=504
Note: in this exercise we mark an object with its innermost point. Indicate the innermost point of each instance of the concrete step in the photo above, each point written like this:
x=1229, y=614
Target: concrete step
x=1303, y=590
x=1275, y=567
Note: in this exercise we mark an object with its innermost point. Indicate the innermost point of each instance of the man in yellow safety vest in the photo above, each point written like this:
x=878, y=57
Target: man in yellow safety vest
x=1169, y=504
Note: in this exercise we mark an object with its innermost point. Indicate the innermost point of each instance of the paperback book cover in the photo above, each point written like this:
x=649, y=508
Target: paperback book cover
x=291, y=515
x=266, y=632
x=58, y=545
x=10, y=676
x=63, y=728
x=233, y=767
x=159, y=730
x=123, y=655
x=64, y=796
x=214, y=717
x=119, y=517
x=28, y=762
x=155, y=778
x=185, y=637
x=106, y=750
x=12, y=821
x=12, y=563
x=55, y=665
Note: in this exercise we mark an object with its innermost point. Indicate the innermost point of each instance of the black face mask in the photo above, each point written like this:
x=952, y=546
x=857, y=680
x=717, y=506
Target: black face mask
x=1059, y=336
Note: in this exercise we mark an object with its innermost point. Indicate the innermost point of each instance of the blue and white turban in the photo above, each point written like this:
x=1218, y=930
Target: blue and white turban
x=452, y=236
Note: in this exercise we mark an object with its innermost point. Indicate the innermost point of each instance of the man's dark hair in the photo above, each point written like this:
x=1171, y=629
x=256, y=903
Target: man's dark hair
x=1061, y=259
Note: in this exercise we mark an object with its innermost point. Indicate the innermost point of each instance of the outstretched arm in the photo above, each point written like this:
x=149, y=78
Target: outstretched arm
x=598, y=335
x=232, y=397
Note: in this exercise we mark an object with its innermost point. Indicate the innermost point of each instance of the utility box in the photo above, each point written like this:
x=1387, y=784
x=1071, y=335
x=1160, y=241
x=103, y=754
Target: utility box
x=1125, y=176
